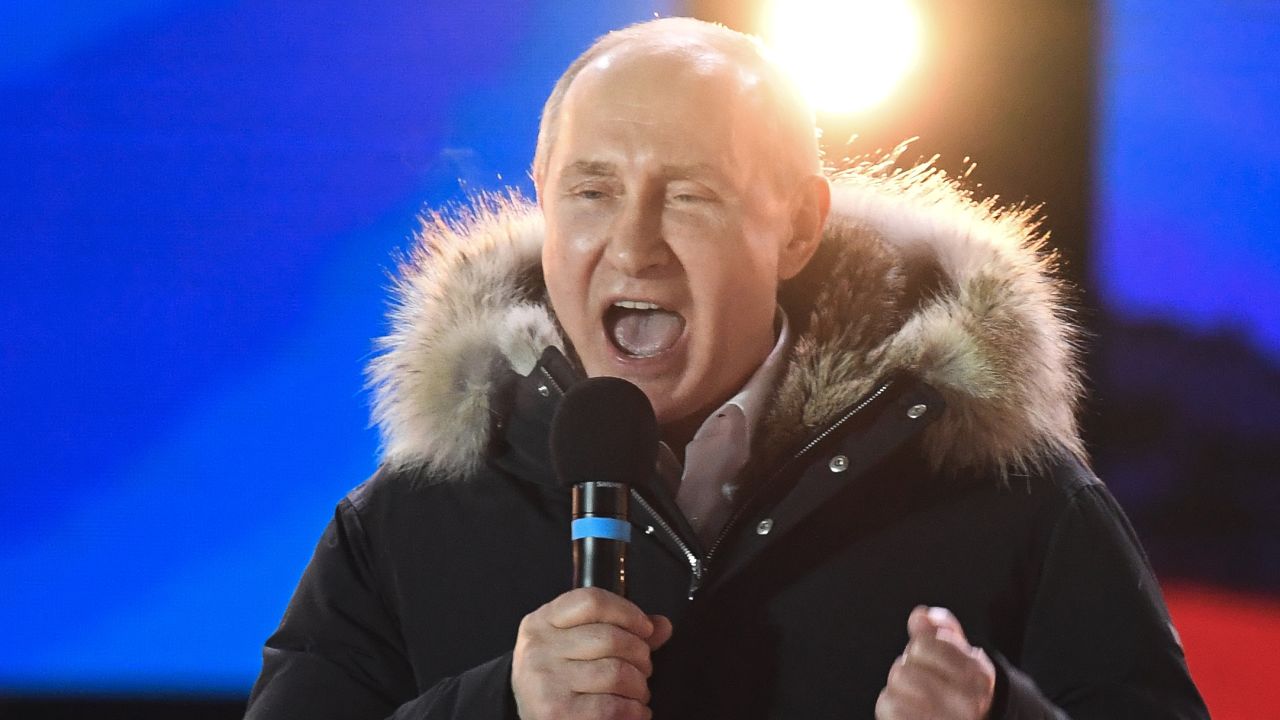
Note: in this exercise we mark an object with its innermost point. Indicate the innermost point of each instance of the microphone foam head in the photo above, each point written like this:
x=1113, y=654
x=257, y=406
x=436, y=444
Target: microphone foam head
x=604, y=431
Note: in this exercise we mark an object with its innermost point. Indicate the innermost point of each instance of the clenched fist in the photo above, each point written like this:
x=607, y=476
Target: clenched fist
x=939, y=674
x=585, y=654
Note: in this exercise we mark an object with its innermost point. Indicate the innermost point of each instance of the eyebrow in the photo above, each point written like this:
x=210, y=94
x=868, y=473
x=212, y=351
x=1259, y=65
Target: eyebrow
x=601, y=168
x=591, y=167
x=684, y=172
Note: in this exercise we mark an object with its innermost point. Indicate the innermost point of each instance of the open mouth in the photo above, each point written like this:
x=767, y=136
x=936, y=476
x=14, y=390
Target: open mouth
x=642, y=329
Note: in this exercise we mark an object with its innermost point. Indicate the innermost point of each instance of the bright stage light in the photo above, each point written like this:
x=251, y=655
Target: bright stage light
x=848, y=55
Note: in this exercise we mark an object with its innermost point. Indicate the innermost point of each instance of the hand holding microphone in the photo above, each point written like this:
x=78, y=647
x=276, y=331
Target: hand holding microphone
x=586, y=654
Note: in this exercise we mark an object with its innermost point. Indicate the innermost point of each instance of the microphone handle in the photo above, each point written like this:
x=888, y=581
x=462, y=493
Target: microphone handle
x=600, y=532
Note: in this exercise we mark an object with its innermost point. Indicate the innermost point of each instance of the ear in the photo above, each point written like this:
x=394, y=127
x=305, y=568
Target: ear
x=809, y=211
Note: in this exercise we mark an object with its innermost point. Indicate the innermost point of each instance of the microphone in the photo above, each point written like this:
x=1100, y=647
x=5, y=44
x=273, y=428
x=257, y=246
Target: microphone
x=604, y=438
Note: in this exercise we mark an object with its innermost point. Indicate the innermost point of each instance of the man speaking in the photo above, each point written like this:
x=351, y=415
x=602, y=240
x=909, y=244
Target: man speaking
x=870, y=500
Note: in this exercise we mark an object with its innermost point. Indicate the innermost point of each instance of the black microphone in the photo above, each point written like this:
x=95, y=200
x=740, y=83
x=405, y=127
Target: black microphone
x=604, y=438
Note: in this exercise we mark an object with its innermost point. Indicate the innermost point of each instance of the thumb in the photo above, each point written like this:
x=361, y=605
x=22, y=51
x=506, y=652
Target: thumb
x=926, y=621
x=661, y=632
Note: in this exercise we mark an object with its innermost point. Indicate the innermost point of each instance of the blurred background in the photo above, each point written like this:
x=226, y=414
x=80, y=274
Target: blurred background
x=200, y=202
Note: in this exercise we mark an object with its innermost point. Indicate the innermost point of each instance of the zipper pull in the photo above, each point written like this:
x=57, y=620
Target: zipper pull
x=695, y=576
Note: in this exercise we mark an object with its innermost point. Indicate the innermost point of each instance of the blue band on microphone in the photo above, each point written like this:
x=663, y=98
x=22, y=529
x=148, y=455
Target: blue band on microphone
x=601, y=527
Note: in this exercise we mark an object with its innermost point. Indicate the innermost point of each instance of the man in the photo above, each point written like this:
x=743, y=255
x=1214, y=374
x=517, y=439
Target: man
x=872, y=497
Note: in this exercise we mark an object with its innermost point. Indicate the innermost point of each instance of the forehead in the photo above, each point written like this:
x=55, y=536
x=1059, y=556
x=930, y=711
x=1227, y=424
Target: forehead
x=693, y=97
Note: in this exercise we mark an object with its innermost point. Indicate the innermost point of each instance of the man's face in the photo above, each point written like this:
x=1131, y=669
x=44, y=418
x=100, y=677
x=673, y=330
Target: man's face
x=663, y=231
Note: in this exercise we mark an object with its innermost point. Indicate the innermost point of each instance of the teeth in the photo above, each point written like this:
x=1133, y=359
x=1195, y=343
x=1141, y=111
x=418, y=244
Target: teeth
x=637, y=305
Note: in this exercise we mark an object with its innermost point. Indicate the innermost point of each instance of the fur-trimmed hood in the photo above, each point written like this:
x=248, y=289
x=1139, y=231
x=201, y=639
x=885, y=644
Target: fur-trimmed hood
x=912, y=275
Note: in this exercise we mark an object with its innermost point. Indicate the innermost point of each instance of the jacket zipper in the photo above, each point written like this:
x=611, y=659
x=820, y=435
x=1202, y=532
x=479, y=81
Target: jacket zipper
x=551, y=379
x=695, y=563
x=741, y=511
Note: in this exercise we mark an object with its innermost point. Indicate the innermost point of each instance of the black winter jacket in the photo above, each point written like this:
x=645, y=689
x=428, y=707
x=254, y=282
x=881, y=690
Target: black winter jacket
x=920, y=449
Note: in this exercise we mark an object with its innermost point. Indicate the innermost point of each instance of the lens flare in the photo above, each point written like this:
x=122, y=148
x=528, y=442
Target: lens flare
x=847, y=55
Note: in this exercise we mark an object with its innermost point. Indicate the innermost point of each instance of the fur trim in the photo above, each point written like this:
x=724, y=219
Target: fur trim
x=467, y=307
x=992, y=334
x=986, y=327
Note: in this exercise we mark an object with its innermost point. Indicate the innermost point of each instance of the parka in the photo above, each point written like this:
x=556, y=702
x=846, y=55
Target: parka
x=920, y=449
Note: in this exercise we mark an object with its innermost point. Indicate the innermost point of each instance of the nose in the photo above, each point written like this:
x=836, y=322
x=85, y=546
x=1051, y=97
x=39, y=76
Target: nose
x=636, y=244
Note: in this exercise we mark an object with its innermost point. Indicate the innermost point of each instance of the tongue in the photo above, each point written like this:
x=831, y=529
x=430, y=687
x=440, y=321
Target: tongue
x=645, y=333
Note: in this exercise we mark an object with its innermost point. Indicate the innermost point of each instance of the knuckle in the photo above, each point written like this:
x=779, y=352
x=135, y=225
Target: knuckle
x=885, y=705
x=558, y=708
x=608, y=707
x=615, y=639
x=537, y=704
x=628, y=709
x=594, y=598
x=534, y=624
x=612, y=671
x=638, y=652
x=526, y=624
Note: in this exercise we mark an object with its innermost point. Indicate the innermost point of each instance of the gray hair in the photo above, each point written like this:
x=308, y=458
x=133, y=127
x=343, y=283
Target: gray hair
x=785, y=118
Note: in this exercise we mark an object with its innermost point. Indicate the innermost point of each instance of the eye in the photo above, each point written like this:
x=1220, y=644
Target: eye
x=690, y=193
x=592, y=191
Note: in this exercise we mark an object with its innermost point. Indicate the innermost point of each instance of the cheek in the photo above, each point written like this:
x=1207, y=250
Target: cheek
x=567, y=265
x=572, y=242
x=729, y=265
x=566, y=292
x=738, y=295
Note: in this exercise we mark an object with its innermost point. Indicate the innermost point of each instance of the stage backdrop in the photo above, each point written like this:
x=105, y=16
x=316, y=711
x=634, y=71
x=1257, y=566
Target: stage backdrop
x=200, y=202
x=199, y=205
x=1185, y=369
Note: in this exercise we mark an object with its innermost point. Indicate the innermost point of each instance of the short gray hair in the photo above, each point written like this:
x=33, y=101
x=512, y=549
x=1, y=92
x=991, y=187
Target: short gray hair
x=787, y=119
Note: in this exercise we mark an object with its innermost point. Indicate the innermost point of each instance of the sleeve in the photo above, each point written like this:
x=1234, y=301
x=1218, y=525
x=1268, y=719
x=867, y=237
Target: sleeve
x=338, y=652
x=1098, y=642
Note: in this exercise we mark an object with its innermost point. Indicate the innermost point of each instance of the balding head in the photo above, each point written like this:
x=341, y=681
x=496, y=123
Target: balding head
x=785, y=125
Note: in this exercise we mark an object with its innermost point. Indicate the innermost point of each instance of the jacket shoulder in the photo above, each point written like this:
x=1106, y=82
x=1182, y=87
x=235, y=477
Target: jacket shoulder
x=391, y=488
x=1067, y=476
x=385, y=483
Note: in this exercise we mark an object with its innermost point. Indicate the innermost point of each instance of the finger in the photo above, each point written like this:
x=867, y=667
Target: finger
x=958, y=678
x=602, y=640
x=982, y=672
x=662, y=631
x=894, y=705
x=889, y=707
x=925, y=620
x=593, y=605
x=610, y=676
x=946, y=655
x=944, y=618
x=949, y=654
x=945, y=635
x=917, y=691
x=609, y=706
x=918, y=622
x=913, y=681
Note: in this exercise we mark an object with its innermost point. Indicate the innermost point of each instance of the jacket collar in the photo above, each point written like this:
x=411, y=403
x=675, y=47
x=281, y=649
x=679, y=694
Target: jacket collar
x=912, y=276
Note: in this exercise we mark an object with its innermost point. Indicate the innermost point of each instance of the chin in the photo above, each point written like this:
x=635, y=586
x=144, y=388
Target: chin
x=666, y=407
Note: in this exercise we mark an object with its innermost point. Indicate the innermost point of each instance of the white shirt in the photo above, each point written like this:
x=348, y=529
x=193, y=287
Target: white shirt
x=720, y=449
